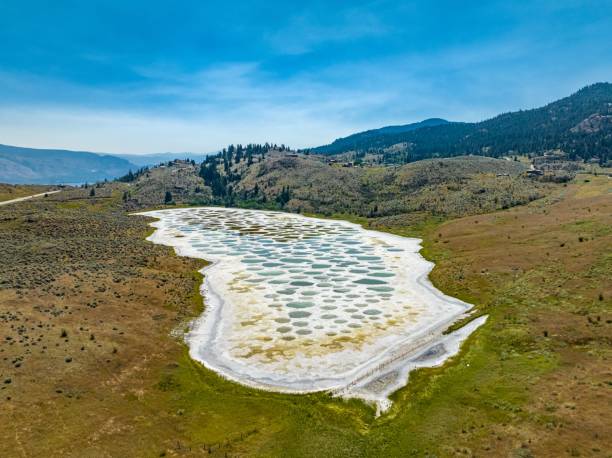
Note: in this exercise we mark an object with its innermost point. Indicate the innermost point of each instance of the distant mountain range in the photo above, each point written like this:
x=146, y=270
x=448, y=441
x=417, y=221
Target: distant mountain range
x=50, y=166
x=580, y=124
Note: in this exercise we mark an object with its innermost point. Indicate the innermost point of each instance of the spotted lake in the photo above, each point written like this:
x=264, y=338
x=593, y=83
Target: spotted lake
x=300, y=304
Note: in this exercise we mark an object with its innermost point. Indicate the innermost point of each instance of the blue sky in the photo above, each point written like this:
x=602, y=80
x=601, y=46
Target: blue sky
x=159, y=76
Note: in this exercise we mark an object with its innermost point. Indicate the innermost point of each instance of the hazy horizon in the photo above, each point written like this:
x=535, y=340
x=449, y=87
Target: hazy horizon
x=149, y=78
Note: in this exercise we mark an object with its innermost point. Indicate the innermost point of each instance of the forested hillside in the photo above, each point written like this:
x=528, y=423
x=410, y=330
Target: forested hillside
x=580, y=125
x=356, y=141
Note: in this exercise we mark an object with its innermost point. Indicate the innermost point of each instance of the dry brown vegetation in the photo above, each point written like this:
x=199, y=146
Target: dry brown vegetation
x=14, y=191
x=86, y=305
x=545, y=271
x=88, y=366
x=181, y=180
x=438, y=187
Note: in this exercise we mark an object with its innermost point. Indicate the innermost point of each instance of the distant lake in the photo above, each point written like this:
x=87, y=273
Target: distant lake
x=301, y=304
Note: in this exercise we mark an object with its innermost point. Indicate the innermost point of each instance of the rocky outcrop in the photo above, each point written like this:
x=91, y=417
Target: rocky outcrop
x=593, y=124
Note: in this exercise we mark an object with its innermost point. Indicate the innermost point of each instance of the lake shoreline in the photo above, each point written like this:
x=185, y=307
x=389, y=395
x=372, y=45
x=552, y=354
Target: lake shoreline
x=375, y=378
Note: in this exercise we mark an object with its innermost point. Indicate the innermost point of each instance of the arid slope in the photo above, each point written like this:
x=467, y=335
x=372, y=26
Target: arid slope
x=89, y=366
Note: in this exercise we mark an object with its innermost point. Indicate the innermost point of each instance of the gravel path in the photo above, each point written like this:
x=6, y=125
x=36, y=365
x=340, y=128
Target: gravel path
x=12, y=201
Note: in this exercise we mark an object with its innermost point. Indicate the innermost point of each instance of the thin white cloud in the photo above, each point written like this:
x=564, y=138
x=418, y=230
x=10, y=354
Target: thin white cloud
x=170, y=109
x=304, y=32
x=112, y=131
x=233, y=102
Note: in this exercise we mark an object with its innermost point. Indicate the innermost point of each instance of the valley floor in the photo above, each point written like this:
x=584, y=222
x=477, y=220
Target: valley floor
x=89, y=365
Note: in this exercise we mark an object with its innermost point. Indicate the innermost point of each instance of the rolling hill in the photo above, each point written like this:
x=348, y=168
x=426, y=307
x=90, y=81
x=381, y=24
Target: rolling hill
x=281, y=180
x=85, y=296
